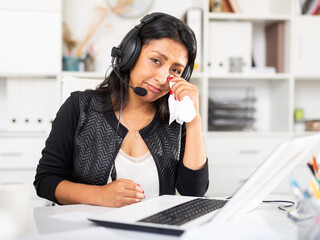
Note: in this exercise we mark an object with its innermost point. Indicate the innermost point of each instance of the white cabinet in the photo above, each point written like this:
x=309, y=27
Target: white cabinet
x=239, y=151
x=10, y=177
x=20, y=153
x=225, y=180
x=307, y=48
x=30, y=37
x=30, y=47
x=277, y=94
x=234, y=155
x=233, y=159
x=19, y=157
x=30, y=104
x=306, y=68
x=243, y=39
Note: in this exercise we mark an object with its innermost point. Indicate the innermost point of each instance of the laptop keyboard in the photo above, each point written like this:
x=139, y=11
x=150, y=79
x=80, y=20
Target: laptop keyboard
x=185, y=212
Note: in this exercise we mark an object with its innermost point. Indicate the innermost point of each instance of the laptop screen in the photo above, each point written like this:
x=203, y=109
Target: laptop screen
x=268, y=175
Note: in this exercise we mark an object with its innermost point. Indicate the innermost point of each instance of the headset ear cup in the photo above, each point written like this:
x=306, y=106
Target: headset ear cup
x=129, y=50
x=130, y=53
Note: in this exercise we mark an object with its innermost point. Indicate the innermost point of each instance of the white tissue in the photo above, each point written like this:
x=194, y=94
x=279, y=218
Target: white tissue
x=181, y=111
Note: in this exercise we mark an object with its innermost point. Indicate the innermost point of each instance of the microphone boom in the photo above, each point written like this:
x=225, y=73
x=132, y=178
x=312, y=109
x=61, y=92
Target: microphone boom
x=137, y=90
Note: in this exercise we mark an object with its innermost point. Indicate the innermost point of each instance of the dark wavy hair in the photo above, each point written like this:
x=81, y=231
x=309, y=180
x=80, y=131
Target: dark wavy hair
x=162, y=27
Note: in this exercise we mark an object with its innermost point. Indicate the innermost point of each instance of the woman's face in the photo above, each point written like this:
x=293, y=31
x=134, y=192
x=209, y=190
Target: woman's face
x=157, y=60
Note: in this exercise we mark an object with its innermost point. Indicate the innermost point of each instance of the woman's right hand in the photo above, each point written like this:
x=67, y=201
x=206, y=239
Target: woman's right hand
x=119, y=193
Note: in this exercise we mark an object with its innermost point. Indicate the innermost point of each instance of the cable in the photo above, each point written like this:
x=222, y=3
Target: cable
x=105, y=74
x=282, y=208
x=113, y=170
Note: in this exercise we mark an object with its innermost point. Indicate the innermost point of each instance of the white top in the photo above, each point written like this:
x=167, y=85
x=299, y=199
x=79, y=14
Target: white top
x=142, y=170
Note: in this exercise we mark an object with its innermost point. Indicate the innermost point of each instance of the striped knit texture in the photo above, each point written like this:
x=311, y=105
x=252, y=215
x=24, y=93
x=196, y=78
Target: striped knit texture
x=95, y=148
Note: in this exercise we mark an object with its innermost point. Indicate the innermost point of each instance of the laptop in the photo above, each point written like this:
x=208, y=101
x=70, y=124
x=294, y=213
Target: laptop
x=169, y=214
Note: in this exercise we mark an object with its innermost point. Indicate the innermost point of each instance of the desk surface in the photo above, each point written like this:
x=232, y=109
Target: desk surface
x=70, y=222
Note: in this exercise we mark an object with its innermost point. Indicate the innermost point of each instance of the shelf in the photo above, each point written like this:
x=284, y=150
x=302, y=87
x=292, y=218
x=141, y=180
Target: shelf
x=315, y=77
x=27, y=75
x=306, y=16
x=23, y=134
x=305, y=133
x=83, y=74
x=245, y=17
x=278, y=76
x=52, y=74
x=101, y=75
x=244, y=134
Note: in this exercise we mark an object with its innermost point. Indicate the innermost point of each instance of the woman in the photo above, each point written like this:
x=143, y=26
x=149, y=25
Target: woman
x=113, y=147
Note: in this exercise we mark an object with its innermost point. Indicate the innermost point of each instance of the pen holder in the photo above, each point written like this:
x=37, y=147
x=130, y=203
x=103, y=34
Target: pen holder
x=309, y=223
x=310, y=229
x=70, y=63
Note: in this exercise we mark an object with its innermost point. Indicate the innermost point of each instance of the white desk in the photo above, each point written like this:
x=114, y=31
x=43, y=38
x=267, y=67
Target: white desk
x=69, y=222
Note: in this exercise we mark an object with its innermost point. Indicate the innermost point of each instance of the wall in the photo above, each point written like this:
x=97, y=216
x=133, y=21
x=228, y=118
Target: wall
x=79, y=13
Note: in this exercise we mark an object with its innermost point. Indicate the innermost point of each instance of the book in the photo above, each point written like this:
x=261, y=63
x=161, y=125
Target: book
x=316, y=9
x=226, y=7
x=216, y=5
x=309, y=6
x=275, y=46
x=234, y=5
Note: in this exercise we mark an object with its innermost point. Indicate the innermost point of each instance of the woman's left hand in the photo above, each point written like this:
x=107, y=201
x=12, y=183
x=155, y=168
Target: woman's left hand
x=182, y=88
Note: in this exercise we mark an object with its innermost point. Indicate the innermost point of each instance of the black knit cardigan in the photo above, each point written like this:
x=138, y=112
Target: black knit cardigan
x=83, y=145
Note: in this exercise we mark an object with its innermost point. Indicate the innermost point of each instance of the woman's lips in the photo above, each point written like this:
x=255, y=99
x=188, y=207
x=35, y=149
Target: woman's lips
x=153, y=89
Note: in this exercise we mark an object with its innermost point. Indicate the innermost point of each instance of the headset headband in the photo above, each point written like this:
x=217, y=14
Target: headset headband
x=128, y=51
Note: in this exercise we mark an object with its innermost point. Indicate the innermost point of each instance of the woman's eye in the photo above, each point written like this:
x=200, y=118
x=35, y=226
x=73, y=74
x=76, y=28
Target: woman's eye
x=157, y=61
x=176, y=71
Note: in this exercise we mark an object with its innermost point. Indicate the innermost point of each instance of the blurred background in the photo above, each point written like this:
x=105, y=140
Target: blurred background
x=256, y=69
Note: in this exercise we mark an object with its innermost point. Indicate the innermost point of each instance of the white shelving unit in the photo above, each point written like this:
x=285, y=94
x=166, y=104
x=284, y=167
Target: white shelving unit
x=30, y=49
x=232, y=155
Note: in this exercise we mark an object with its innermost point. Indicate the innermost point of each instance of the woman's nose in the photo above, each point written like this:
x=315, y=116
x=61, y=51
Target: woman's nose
x=163, y=76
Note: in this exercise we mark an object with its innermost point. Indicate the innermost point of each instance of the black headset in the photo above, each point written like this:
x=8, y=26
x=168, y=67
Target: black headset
x=128, y=51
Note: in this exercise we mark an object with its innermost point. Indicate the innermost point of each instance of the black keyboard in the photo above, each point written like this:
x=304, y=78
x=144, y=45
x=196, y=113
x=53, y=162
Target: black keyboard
x=185, y=212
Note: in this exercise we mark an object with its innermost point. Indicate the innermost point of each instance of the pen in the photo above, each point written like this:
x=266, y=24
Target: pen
x=297, y=190
x=313, y=173
x=317, y=218
x=315, y=167
x=315, y=189
x=311, y=168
